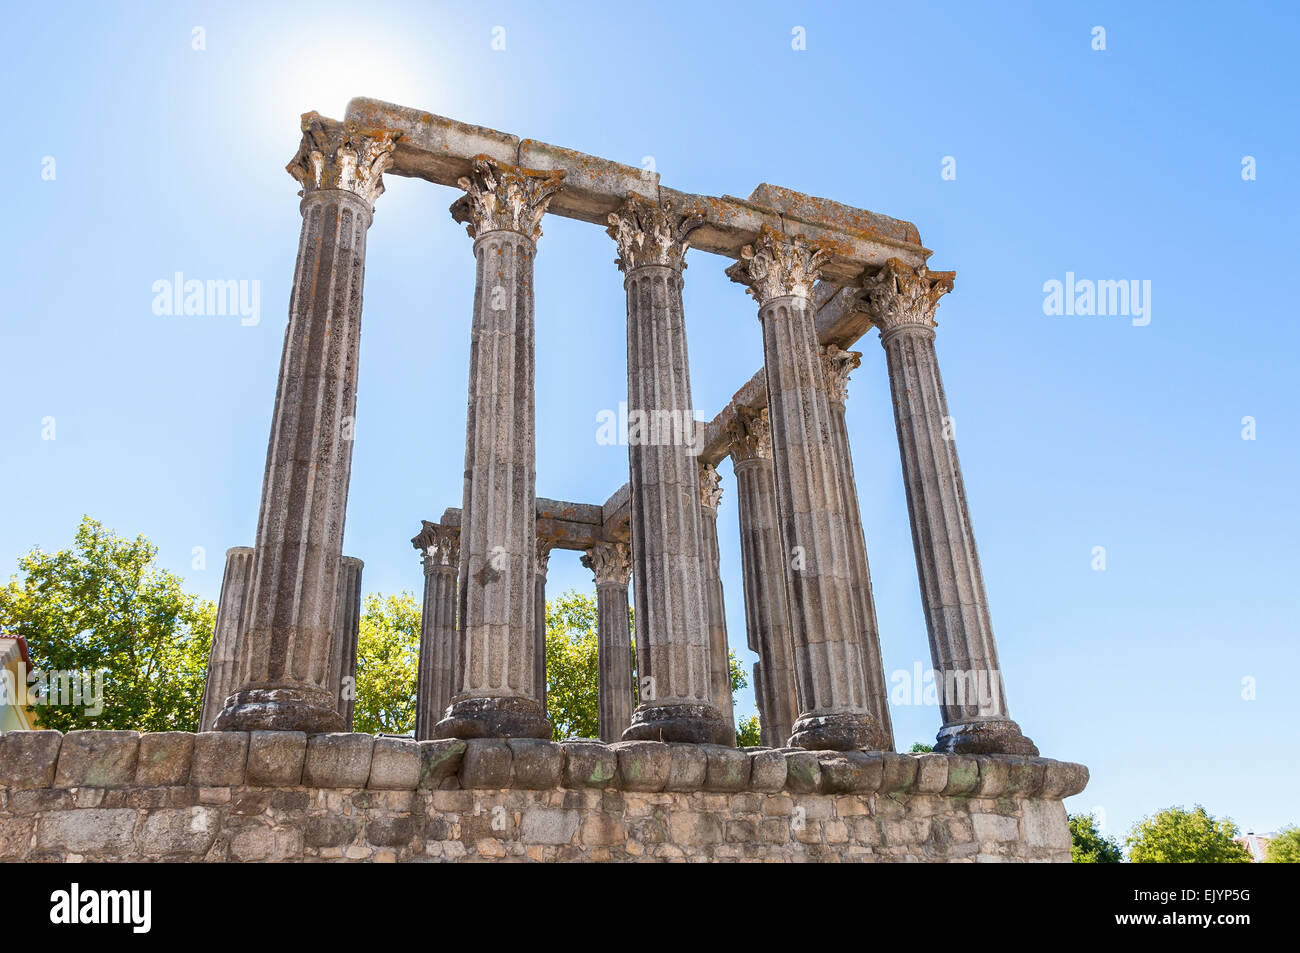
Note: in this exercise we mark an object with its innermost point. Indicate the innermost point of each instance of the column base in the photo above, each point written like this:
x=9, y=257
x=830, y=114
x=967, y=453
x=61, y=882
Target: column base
x=280, y=709
x=993, y=736
x=842, y=731
x=494, y=716
x=687, y=723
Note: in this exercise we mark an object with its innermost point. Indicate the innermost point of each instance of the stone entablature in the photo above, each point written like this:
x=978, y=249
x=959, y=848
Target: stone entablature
x=283, y=795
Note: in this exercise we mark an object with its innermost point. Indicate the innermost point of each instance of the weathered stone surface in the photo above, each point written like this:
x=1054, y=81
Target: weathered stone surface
x=767, y=770
x=643, y=765
x=994, y=776
x=92, y=831
x=803, y=772
x=97, y=759
x=276, y=758
x=337, y=760
x=487, y=764
x=589, y=764
x=28, y=758
x=164, y=759
x=395, y=764
x=185, y=831
x=728, y=769
x=440, y=759
x=1062, y=779
x=898, y=772
x=688, y=769
x=220, y=758
x=963, y=775
x=931, y=774
x=537, y=765
x=549, y=826
x=850, y=772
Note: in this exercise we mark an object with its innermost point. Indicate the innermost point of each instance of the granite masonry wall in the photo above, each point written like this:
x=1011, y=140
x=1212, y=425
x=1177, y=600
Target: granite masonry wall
x=286, y=796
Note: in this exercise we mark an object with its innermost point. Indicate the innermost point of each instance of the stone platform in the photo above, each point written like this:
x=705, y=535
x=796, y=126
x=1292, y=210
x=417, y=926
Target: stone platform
x=287, y=796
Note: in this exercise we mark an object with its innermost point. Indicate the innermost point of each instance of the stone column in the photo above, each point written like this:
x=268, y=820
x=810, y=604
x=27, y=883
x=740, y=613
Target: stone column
x=612, y=564
x=347, y=626
x=232, y=610
x=539, y=626
x=667, y=562
x=497, y=695
x=838, y=365
x=282, y=680
x=440, y=550
x=719, y=652
x=901, y=301
x=763, y=565
x=834, y=702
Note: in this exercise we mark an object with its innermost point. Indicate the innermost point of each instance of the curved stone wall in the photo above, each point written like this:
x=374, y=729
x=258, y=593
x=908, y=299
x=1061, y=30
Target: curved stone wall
x=257, y=796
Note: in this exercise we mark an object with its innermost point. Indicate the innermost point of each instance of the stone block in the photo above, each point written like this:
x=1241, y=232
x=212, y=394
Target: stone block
x=97, y=759
x=995, y=776
x=803, y=771
x=767, y=770
x=549, y=826
x=850, y=772
x=643, y=765
x=179, y=831
x=164, y=759
x=486, y=764
x=728, y=769
x=1061, y=779
x=440, y=760
x=330, y=830
x=688, y=769
x=1046, y=825
x=276, y=758
x=338, y=760
x=28, y=759
x=395, y=764
x=1024, y=776
x=108, y=831
x=538, y=765
x=995, y=828
x=931, y=773
x=589, y=764
x=220, y=758
x=898, y=773
x=963, y=775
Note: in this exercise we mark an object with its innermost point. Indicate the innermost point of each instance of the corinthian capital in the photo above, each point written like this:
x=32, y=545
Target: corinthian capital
x=501, y=197
x=750, y=433
x=611, y=562
x=544, y=547
x=902, y=296
x=838, y=364
x=710, y=486
x=652, y=233
x=776, y=266
x=439, y=544
x=343, y=156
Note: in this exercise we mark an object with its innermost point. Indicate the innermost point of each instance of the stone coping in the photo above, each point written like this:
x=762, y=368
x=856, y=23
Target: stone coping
x=107, y=759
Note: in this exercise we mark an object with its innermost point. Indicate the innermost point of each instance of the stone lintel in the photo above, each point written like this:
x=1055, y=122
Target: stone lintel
x=441, y=150
x=565, y=525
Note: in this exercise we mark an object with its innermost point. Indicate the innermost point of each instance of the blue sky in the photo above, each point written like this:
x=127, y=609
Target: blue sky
x=1074, y=432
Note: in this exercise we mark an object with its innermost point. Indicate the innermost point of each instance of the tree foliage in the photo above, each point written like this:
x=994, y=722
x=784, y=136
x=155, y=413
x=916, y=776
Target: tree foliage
x=749, y=732
x=1176, y=836
x=105, y=606
x=1088, y=845
x=572, y=699
x=388, y=658
x=1285, y=847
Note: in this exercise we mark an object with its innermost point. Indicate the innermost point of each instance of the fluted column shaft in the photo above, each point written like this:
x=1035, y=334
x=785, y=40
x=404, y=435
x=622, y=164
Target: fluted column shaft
x=838, y=365
x=440, y=555
x=902, y=302
x=677, y=702
x=612, y=564
x=347, y=628
x=539, y=620
x=498, y=694
x=285, y=652
x=232, y=608
x=833, y=696
x=763, y=568
x=715, y=605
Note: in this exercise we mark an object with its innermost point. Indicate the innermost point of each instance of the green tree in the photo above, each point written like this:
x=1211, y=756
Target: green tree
x=920, y=747
x=1088, y=845
x=1285, y=847
x=105, y=606
x=749, y=732
x=388, y=658
x=1176, y=836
